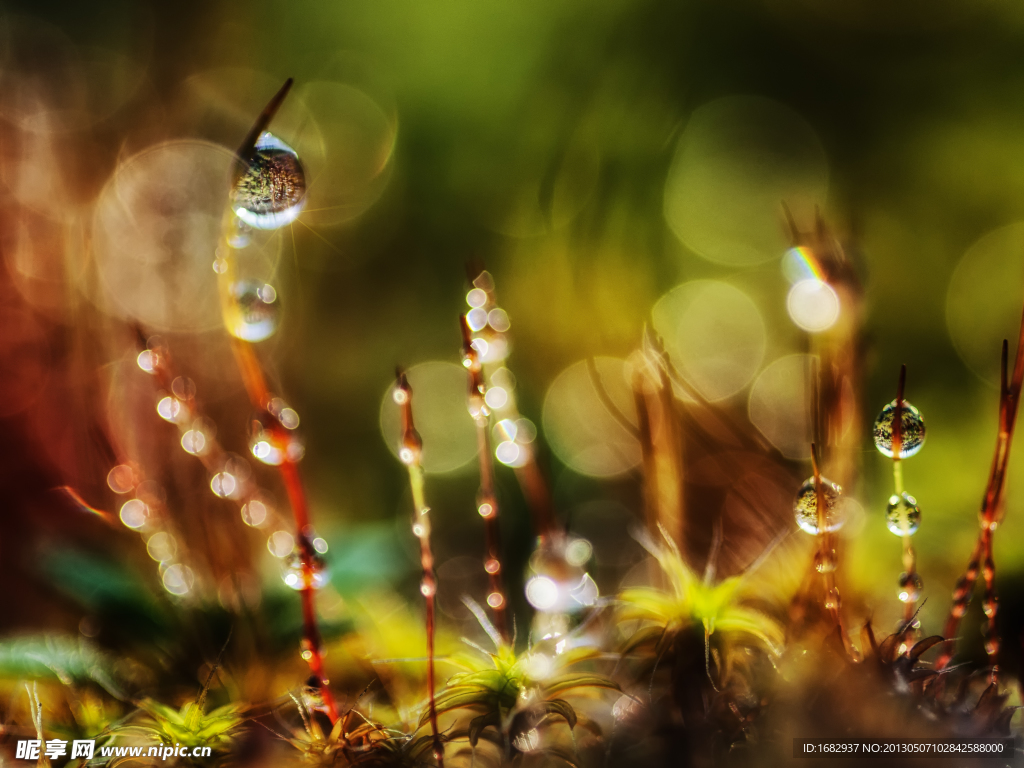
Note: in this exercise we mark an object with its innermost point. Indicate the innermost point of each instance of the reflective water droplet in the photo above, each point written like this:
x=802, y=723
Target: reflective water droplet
x=178, y=579
x=496, y=398
x=294, y=573
x=542, y=593
x=909, y=587
x=320, y=545
x=825, y=562
x=492, y=566
x=224, y=484
x=806, y=506
x=428, y=589
x=194, y=442
x=171, y=409
x=147, y=360
x=476, y=298
x=498, y=320
x=162, y=547
x=134, y=513
x=183, y=388
x=510, y=454
x=832, y=600
x=476, y=319
x=281, y=543
x=912, y=433
x=813, y=305
x=254, y=512
x=259, y=311
x=272, y=190
x=495, y=600
x=902, y=515
x=121, y=479
x=578, y=552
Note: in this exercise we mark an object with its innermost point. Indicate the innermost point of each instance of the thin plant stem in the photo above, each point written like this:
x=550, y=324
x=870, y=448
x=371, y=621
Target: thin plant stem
x=827, y=554
x=909, y=555
x=411, y=454
x=255, y=383
x=487, y=500
x=990, y=516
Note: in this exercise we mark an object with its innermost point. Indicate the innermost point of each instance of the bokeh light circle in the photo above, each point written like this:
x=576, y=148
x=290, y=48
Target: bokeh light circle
x=714, y=335
x=738, y=159
x=779, y=404
x=581, y=429
x=983, y=302
x=440, y=412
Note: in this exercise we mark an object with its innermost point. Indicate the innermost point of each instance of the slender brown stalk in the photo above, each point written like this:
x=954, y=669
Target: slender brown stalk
x=990, y=516
x=909, y=555
x=411, y=453
x=259, y=395
x=826, y=558
x=487, y=500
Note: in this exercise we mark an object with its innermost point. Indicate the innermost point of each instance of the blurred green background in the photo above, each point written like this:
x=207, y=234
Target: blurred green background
x=539, y=138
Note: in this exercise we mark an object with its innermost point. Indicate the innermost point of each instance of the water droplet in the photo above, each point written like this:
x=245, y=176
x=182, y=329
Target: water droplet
x=498, y=320
x=476, y=298
x=272, y=190
x=495, y=600
x=496, y=398
x=510, y=453
x=259, y=312
x=912, y=433
x=183, y=388
x=194, y=442
x=492, y=566
x=287, y=416
x=134, y=513
x=542, y=593
x=281, y=543
x=162, y=547
x=178, y=579
x=578, y=552
x=476, y=319
x=825, y=563
x=147, y=360
x=427, y=589
x=320, y=545
x=909, y=587
x=294, y=574
x=121, y=479
x=902, y=515
x=254, y=512
x=806, y=506
x=813, y=305
x=172, y=410
x=418, y=530
x=224, y=484
x=486, y=509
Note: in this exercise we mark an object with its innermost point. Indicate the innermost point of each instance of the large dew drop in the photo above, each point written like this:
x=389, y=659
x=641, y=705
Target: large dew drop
x=806, y=506
x=903, y=516
x=259, y=311
x=911, y=435
x=272, y=190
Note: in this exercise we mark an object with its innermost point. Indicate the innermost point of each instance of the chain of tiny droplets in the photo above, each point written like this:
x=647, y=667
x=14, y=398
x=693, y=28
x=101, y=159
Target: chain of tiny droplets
x=153, y=521
x=513, y=433
x=223, y=483
x=825, y=558
x=487, y=502
x=410, y=454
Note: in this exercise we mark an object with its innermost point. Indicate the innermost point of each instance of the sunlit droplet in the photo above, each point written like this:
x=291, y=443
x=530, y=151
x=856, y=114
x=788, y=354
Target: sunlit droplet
x=134, y=513
x=428, y=589
x=194, y=442
x=505, y=429
x=498, y=320
x=258, y=311
x=806, y=506
x=542, y=593
x=320, y=545
x=183, y=388
x=476, y=298
x=254, y=512
x=272, y=190
x=492, y=566
x=902, y=515
x=909, y=587
x=178, y=579
x=912, y=432
x=171, y=409
x=121, y=479
x=147, y=360
x=495, y=600
x=825, y=562
x=510, y=453
x=294, y=573
x=486, y=509
x=476, y=319
x=496, y=398
x=224, y=484
x=281, y=543
x=162, y=547
x=578, y=552
x=813, y=305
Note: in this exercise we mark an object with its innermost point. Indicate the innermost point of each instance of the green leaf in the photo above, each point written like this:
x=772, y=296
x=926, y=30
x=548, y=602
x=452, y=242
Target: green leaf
x=477, y=724
x=562, y=708
x=567, y=682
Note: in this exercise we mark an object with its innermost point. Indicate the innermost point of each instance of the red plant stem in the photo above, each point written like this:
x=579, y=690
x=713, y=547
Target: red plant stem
x=259, y=395
x=412, y=449
x=990, y=517
x=827, y=554
x=487, y=500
